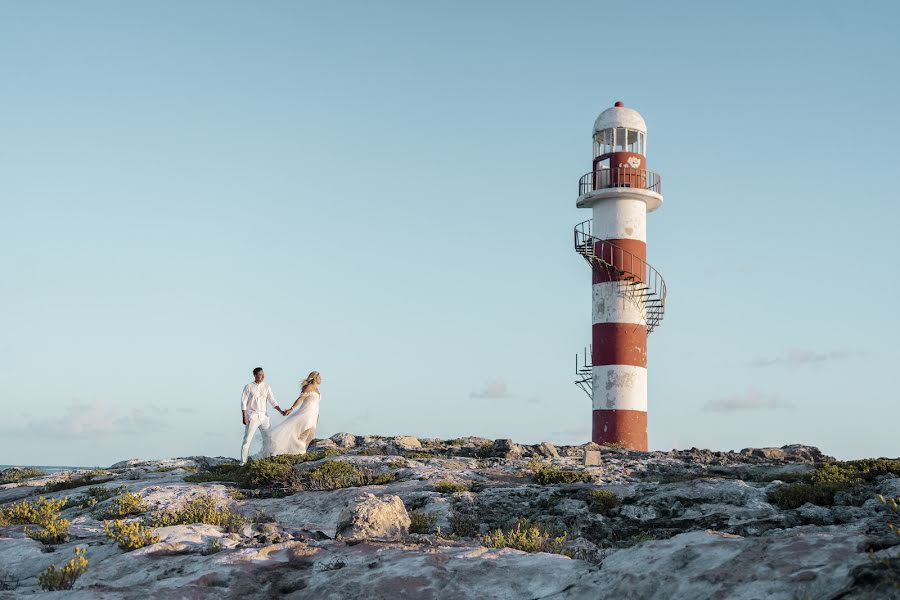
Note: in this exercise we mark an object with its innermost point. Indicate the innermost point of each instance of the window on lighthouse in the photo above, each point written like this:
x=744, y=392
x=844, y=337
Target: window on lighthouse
x=619, y=142
x=633, y=144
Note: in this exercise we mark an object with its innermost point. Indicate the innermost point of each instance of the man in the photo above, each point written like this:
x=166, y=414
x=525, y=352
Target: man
x=253, y=409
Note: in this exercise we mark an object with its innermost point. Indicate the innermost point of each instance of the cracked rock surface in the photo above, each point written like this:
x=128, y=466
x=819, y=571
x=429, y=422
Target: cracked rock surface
x=683, y=524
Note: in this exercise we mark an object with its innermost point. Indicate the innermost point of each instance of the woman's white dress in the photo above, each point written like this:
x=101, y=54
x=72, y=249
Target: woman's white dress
x=294, y=434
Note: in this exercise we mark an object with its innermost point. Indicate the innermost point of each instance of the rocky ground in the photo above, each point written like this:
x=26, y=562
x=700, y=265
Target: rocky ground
x=681, y=524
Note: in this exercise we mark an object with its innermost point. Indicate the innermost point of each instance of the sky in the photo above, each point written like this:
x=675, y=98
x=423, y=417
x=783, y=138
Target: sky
x=385, y=192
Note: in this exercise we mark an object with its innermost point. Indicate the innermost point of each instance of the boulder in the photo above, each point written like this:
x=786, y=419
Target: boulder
x=406, y=442
x=344, y=440
x=325, y=444
x=505, y=449
x=374, y=517
x=547, y=450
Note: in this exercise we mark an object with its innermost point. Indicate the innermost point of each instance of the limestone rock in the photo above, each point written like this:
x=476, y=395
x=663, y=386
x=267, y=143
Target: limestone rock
x=374, y=517
x=505, y=448
x=406, y=442
x=344, y=440
x=325, y=444
x=547, y=450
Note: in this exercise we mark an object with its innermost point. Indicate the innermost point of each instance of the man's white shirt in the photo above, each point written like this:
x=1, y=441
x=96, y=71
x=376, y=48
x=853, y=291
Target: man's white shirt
x=255, y=396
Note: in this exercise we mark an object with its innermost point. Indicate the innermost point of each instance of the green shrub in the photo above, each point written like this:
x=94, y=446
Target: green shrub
x=69, y=482
x=463, y=525
x=602, y=501
x=450, y=487
x=372, y=451
x=214, y=547
x=169, y=469
x=417, y=455
x=230, y=473
x=126, y=505
x=63, y=579
x=527, y=537
x=454, y=442
x=421, y=522
x=273, y=471
x=550, y=474
x=396, y=463
x=43, y=512
x=202, y=509
x=262, y=516
x=485, y=450
x=130, y=536
x=94, y=495
x=15, y=475
x=336, y=474
x=54, y=532
x=820, y=486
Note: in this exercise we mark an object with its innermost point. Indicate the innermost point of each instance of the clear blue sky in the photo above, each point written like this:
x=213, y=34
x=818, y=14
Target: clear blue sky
x=385, y=192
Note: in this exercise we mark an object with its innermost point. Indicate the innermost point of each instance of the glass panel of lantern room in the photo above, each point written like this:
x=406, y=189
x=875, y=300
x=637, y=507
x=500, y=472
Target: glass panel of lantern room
x=633, y=140
x=641, y=142
x=619, y=143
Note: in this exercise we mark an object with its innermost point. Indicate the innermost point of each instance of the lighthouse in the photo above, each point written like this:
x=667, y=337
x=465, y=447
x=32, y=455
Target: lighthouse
x=629, y=296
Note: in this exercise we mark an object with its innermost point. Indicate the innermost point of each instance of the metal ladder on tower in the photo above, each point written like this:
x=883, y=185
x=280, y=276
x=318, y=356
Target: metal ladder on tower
x=637, y=281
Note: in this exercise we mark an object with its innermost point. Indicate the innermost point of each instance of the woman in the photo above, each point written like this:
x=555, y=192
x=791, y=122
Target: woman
x=293, y=435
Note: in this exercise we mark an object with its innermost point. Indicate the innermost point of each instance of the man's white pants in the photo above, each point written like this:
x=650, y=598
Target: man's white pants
x=254, y=421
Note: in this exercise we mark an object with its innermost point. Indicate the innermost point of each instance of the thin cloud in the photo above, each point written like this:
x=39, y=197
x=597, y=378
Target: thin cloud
x=750, y=401
x=90, y=420
x=796, y=358
x=493, y=388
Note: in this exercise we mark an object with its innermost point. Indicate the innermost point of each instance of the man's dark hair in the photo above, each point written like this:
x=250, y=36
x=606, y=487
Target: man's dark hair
x=256, y=371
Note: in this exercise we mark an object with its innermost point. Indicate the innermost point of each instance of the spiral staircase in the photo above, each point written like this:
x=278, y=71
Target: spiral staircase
x=637, y=281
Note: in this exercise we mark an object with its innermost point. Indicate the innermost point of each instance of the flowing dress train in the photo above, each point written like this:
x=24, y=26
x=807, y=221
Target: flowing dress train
x=294, y=434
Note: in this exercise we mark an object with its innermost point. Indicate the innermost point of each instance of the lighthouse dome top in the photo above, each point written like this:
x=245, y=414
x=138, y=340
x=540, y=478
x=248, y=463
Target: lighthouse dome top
x=620, y=116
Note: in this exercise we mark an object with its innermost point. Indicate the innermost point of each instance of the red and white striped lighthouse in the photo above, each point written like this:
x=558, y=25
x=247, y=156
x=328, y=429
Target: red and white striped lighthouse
x=628, y=294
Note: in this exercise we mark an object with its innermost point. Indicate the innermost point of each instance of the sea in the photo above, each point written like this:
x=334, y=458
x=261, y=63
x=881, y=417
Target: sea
x=48, y=468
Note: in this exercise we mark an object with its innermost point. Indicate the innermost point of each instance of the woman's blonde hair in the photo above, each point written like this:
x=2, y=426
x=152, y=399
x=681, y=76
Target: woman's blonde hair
x=313, y=377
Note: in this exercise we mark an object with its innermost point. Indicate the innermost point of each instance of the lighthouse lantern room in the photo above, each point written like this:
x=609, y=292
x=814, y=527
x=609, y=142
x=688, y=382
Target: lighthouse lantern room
x=629, y=295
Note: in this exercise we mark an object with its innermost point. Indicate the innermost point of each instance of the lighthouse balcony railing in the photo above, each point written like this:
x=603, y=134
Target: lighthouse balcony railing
x=620, y=177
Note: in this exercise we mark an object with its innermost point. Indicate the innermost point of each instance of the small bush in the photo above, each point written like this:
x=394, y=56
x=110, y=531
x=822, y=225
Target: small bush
x=550, y=474
x=274, y=471
x=397, y=463
x=262, y=516
x=203, y=509
x=169, y=469
x=217, y=473
x=130, y=536
x=54, y=532
x=336, y=474
x=485, y=450
x=43, y=512
x=15, y=475
x=450, y=487
x=602, y=501
x=372, y=451
x=526, y=537
x=69, y=482
x=463, y=525
x=63, y=579
x=126, y=505
x=214, y=547
x=454, y=442
x=617, y=445
x=820, y=486
x=421, y=522
x=417, y=455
